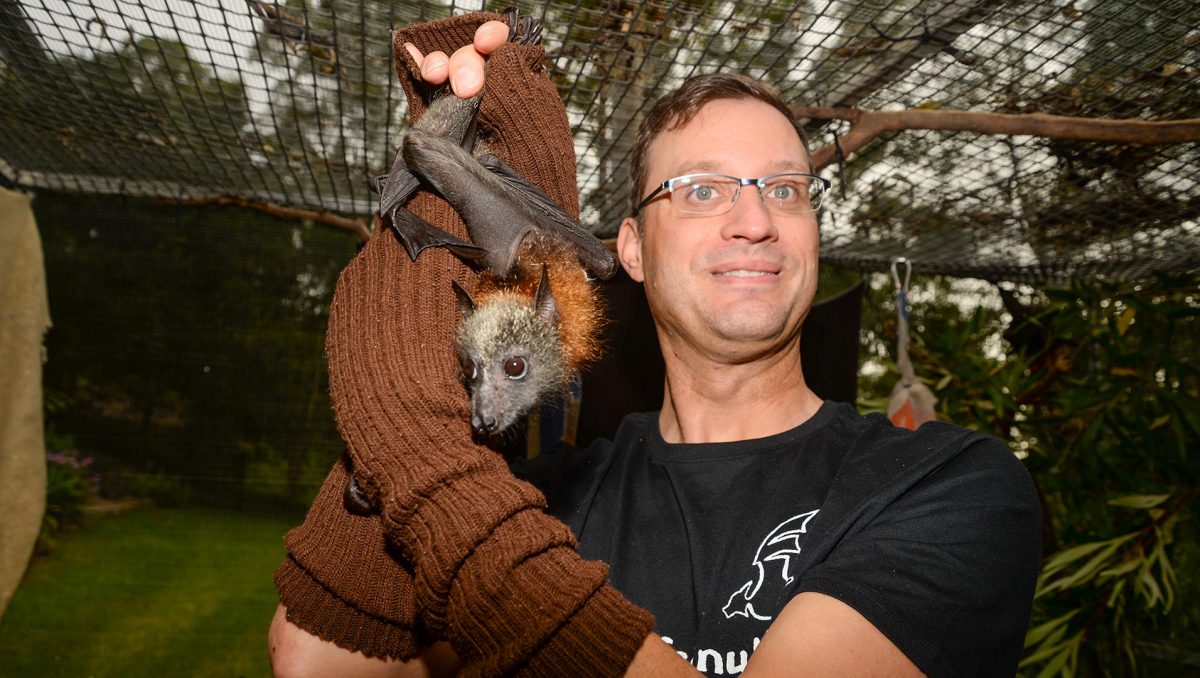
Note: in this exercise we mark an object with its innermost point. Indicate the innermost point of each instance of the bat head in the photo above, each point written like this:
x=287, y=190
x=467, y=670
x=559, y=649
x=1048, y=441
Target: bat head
x=511, y=355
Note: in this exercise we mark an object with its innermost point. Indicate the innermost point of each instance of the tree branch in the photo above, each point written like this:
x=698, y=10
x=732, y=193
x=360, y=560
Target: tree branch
x=355, y=226
x=865, y=126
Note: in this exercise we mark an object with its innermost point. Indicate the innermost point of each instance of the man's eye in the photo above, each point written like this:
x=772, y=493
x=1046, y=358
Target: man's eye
x=787, y=191
x=701, y=193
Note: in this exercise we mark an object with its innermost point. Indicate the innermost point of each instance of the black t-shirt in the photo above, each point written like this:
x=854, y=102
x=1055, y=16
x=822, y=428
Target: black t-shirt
x=932, y=535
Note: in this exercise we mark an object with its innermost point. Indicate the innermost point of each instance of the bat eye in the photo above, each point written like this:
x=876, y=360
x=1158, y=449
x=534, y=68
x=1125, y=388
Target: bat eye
x=469, y=369
x=515, y=367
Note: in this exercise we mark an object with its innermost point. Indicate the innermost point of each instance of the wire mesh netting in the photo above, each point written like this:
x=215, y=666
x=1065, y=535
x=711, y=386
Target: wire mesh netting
x=295, y=104
x=185, y=372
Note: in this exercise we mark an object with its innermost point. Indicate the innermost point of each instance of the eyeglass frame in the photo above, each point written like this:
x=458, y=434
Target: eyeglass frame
x=741, y=181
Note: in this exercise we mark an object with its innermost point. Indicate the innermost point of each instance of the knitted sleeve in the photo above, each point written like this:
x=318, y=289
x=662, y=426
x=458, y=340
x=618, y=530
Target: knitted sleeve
x=492, y=573
x=340, y=582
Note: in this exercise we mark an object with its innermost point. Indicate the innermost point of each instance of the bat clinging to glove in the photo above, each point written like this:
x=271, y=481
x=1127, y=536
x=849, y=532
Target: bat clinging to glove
x=533, y=322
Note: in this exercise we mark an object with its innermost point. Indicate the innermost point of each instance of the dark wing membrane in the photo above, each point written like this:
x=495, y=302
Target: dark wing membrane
x=397, y=185
x=555, y=219
x=416, y=234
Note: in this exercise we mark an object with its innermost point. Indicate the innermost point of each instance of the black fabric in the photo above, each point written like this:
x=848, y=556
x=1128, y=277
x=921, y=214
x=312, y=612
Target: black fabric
x=829, y=345
x=933, y=535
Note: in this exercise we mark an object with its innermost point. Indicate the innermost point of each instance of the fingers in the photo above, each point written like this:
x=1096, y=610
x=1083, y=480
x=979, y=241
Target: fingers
x=490, y=35
x=464, y=68
x=466, y=71
x=434, y=67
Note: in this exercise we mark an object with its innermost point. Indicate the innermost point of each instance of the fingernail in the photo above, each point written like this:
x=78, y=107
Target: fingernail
x=412, y=51
x=464, y=79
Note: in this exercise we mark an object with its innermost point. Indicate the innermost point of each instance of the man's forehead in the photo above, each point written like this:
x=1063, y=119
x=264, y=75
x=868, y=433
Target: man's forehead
x=716, y=130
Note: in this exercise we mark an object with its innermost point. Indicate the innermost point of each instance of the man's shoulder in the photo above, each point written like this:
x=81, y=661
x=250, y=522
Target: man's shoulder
x=883, y=463
x=872, y=440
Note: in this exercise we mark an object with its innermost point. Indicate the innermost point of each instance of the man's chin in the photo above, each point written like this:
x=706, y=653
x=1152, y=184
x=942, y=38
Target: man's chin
x=747, y=325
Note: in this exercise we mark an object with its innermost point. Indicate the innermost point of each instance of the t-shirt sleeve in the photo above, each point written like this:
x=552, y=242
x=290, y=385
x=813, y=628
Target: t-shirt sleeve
x=946, y=566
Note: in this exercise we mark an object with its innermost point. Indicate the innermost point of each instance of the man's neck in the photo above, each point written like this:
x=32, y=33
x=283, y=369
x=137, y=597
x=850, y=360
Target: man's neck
x=706, y=401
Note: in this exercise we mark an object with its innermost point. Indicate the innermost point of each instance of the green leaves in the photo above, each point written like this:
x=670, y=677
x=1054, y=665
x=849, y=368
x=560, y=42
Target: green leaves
x=1097, y=388
x=1101, y=575
x=1101, y=554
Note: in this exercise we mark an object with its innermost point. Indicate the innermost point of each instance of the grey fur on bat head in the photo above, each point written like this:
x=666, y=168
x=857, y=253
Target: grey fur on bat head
x=511, y=355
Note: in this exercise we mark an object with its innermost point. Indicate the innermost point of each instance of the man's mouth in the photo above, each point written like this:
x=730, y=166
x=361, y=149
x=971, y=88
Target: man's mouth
x=747, y=268
x=744, y=273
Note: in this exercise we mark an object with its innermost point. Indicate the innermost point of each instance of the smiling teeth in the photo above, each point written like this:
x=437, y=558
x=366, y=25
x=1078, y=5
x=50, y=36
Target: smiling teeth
x=745, y=274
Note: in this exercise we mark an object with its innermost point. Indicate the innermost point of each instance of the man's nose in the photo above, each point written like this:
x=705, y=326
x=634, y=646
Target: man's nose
x=750, y=219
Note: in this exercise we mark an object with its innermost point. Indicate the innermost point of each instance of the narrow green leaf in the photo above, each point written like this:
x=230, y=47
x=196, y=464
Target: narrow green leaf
x=1116, y=590
x=1036, y=634
x=1150, y=589
x=1055, y=666
x=1124, y=568
x=1064, y=558
x=1048, y=648
x=1168, y=579
x=1139, y=501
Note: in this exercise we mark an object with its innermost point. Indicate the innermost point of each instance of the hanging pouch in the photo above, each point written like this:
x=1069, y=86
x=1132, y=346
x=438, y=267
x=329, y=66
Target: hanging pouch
x=911, y=403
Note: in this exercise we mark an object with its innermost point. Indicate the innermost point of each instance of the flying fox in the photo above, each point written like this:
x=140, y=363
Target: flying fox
x=499, y=206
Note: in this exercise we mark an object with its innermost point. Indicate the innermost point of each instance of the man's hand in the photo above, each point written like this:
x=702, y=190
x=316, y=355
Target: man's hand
x=464, y=68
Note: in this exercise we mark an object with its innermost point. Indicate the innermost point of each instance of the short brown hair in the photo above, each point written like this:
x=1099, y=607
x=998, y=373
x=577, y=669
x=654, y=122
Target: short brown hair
x=677, y=108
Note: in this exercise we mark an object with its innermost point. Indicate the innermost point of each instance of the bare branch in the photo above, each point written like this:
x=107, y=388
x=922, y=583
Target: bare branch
x=865, y=126
x=355, y=226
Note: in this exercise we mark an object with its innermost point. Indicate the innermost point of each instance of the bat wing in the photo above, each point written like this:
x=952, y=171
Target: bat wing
x=453, y=120
x=416, y=234
x=396, y=186
x=555, y=219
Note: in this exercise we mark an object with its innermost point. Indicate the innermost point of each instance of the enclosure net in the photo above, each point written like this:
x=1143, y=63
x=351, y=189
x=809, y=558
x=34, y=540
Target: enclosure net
x=185, y=359
x=295, y=104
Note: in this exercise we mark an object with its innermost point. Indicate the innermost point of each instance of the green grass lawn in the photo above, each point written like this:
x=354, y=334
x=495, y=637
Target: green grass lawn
x=149, y=592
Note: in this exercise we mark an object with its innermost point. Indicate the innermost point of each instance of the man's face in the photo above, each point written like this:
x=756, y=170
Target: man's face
x=737, y=285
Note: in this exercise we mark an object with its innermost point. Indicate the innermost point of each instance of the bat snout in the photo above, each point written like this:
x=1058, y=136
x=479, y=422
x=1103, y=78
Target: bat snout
x=484, y=425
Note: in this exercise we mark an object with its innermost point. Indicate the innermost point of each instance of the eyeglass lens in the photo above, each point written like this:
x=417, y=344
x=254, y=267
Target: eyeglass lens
x=710, y=194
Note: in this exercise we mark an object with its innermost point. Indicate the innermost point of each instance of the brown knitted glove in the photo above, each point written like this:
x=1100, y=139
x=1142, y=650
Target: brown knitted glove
x=492, y=573
x=340, y=582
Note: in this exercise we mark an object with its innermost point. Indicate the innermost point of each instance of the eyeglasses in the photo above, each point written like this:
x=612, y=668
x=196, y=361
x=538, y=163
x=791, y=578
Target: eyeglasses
x=706, y=195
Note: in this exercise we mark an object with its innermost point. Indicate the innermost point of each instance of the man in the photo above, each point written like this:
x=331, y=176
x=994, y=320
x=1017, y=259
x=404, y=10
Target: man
x=770, y=533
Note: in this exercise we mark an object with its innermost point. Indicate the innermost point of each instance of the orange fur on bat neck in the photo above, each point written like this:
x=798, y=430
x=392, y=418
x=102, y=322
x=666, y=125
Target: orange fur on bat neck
x=580, y=317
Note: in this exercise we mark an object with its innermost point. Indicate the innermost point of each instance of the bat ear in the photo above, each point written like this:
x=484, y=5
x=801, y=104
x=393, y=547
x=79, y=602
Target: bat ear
x=543, y=300
x=465, y=305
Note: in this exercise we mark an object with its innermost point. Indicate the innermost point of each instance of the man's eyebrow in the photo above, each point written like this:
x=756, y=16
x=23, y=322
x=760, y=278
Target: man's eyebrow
x=699, y=166
x=775, y=167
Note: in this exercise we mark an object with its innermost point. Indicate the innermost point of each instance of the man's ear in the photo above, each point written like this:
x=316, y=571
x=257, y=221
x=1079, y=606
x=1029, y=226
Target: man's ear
x=629, y=249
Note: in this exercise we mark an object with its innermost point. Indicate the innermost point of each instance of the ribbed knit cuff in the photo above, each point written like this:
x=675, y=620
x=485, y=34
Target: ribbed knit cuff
x=453, y=518
x=551, y=614
x=349, y=554
x=342, y=583
x=600, y=639
x=320, y=612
